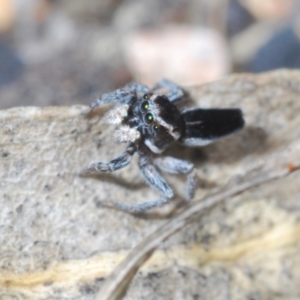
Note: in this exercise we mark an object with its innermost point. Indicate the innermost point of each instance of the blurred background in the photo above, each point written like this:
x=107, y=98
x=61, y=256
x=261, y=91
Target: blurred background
x=68, y=52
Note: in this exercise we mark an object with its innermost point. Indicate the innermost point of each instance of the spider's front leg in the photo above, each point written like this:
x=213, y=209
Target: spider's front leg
x=118, y=163
x=175, y=94
x=137, y=87
x=121, y=96
x=177, y=166
x=156, y=181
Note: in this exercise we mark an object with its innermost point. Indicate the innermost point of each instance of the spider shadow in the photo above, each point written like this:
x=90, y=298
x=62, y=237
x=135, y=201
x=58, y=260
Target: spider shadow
x=176, y=208
x=251, y=140
x=228, y=150
x=110, y=178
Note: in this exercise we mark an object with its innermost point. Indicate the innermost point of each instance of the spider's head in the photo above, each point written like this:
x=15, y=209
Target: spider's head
x=158, y=120
x=152, y=119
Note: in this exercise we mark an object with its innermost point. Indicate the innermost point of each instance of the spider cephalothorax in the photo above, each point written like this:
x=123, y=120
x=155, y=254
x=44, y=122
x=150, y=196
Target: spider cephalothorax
x=150, y=123
x=152, y=118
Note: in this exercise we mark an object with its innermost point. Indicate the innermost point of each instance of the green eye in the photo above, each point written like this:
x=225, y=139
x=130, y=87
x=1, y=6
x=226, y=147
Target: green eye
x=147, y=96
x=149, y=118
x=156, y=128
x=145, y=105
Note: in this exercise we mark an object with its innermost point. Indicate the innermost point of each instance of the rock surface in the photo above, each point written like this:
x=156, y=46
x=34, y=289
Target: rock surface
x=56, y=243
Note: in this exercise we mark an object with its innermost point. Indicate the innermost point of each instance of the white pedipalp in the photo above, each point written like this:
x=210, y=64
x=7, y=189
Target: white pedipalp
x=116, y=115
x=126, y=134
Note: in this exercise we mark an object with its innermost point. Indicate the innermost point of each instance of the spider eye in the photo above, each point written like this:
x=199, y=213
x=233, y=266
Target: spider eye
x=145, y=105
x=147, y=96
x=156, y=128
x=149, y=118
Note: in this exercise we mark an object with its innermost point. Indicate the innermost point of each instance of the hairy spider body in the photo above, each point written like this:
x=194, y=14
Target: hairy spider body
x=150, y=123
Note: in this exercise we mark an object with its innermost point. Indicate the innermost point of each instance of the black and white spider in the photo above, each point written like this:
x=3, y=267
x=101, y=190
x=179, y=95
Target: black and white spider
x=150, y=123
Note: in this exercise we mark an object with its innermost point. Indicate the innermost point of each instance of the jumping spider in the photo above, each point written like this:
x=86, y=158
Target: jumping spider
x=150, y=123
